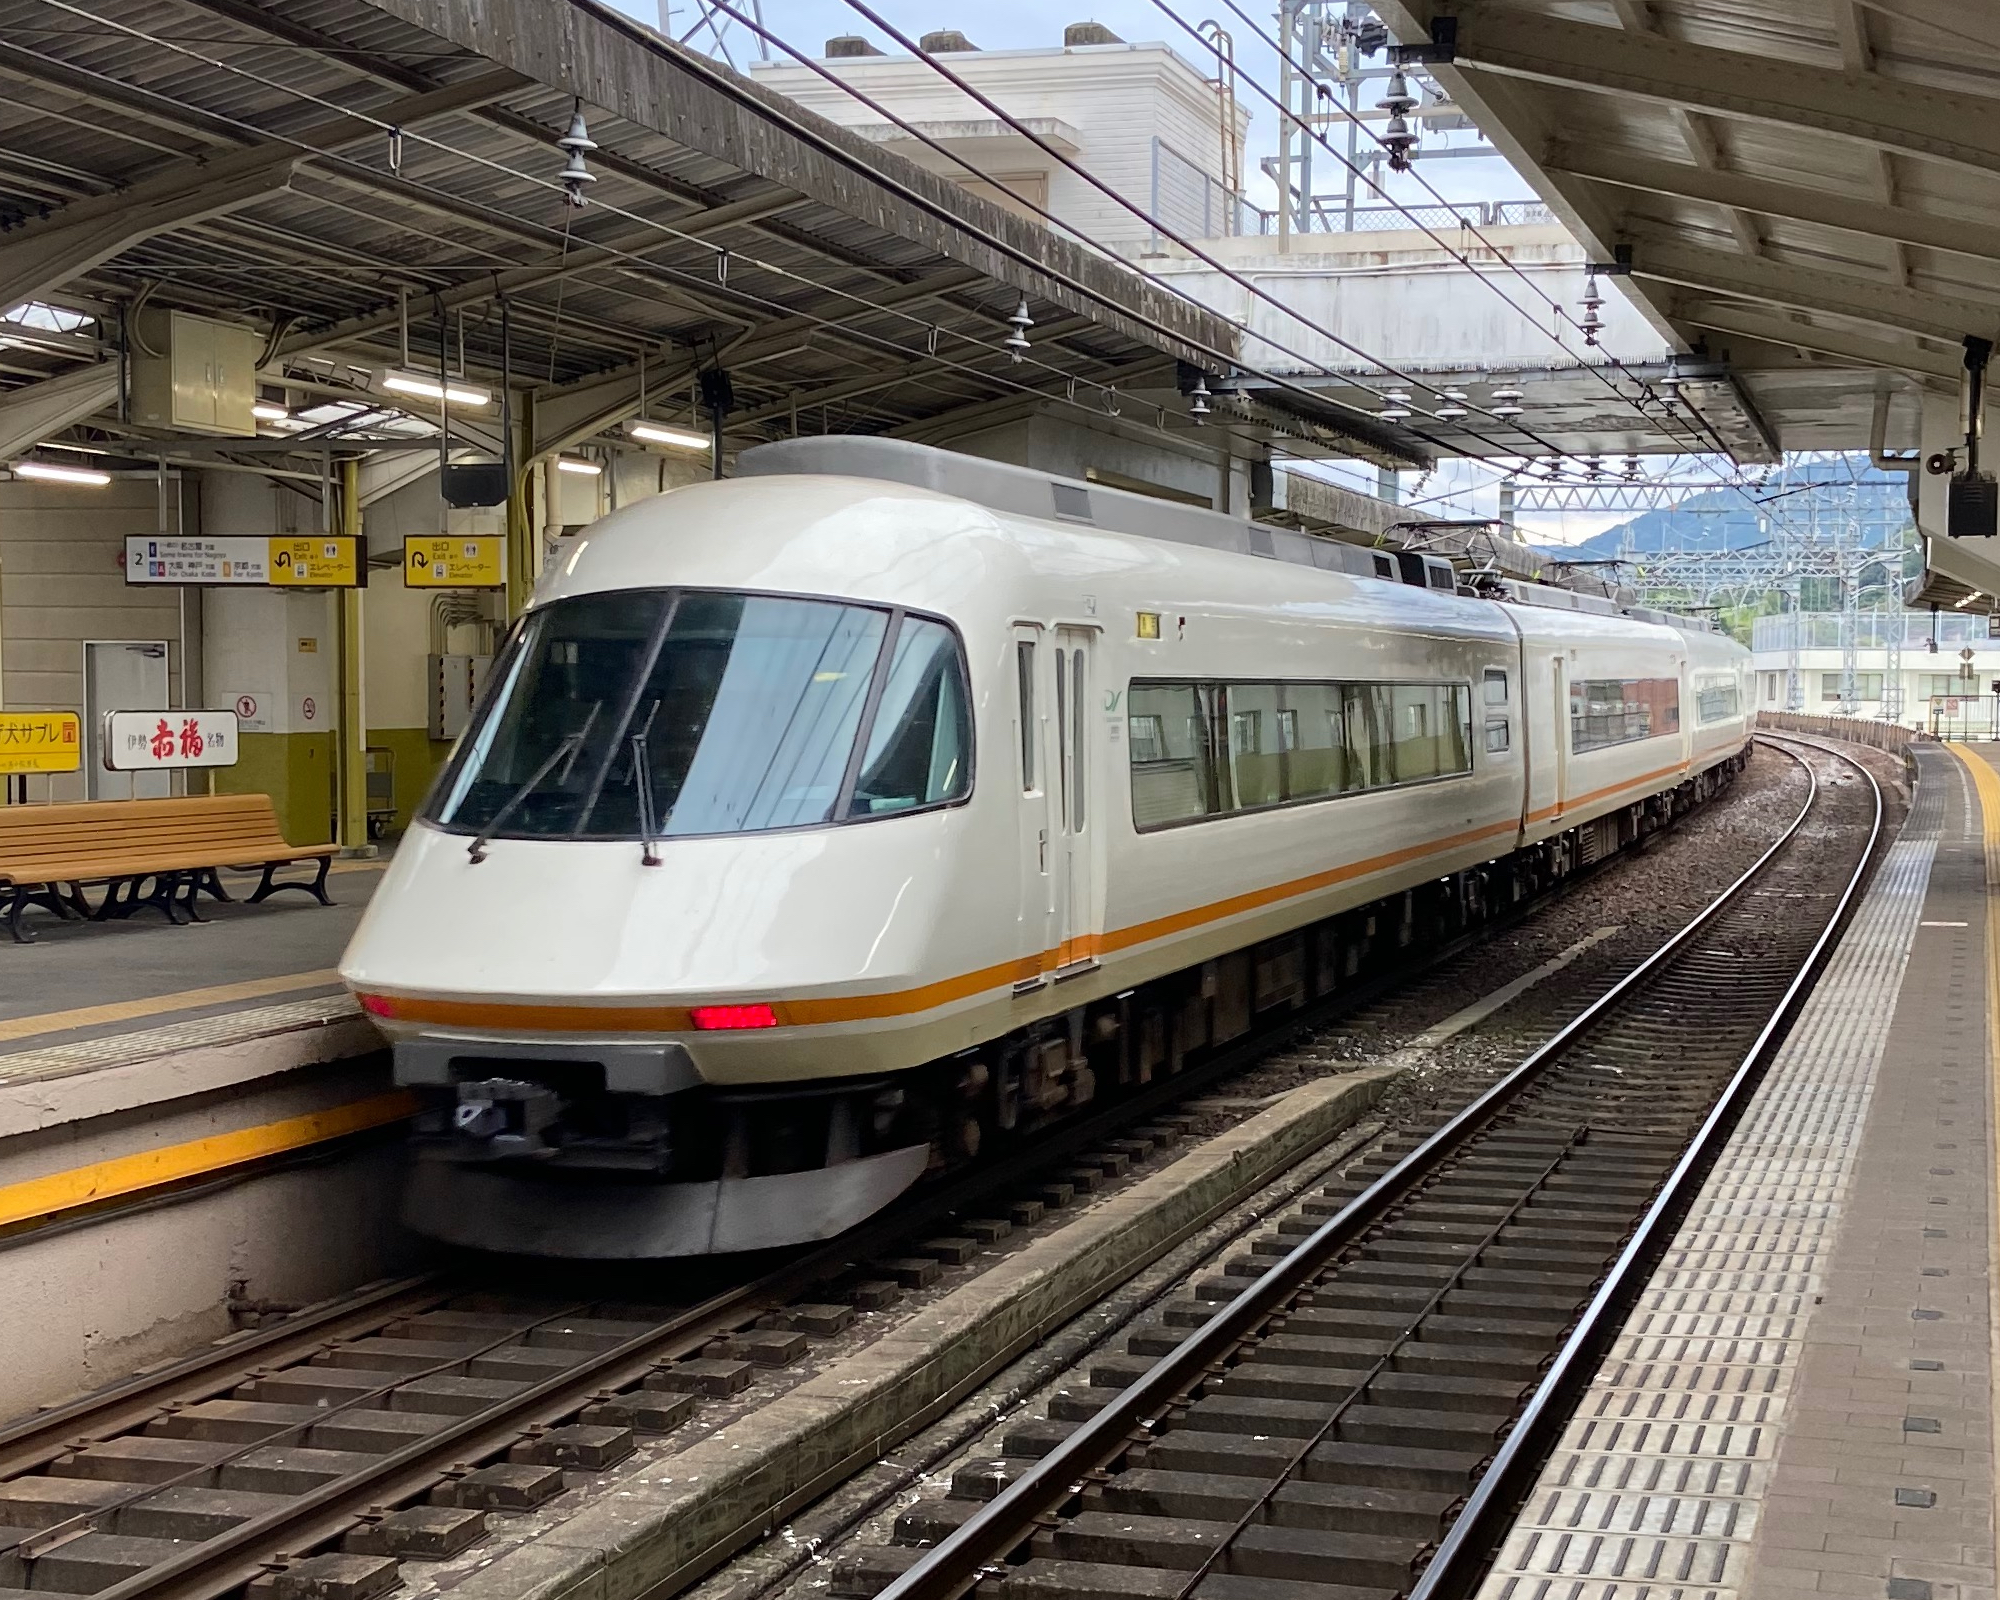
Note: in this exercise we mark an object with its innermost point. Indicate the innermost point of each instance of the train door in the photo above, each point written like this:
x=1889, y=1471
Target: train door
x=1036, y=879
x=1077, y=802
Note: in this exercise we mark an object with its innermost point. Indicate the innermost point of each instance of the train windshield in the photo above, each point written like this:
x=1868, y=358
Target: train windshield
x=660, y=713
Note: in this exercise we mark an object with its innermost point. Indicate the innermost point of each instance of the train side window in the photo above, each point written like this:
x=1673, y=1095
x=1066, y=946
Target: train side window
x=1498, y=735
x=1496, y=687
x=1170, y=754
x=1062, y=727
x=1255, y=749
x=1078, y=751
x=1024, y=669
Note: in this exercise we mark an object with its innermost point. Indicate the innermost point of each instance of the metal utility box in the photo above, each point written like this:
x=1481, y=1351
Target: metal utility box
x=456, y=683
x=203, y=378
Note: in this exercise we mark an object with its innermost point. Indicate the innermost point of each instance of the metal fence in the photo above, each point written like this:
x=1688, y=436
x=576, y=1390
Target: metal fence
x=1859, y=730
x=1192, y=204
x=1820, y=630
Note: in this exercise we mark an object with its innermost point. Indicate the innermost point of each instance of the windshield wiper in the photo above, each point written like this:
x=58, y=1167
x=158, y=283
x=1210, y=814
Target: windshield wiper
x=565, y=752
x=642, y=781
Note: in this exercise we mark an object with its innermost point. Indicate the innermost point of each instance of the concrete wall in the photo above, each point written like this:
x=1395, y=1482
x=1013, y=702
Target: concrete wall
x=1104, y=105
x=91, y=1301
x=282, y=649
x=1398, y=296
x=62, y=582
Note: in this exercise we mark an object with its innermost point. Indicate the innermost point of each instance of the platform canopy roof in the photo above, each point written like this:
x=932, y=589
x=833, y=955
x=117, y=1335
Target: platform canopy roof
x=1808, y=189
x=365, y=180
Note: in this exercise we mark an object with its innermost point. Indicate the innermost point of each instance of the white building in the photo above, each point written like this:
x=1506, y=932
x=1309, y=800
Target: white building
x=1932, y=683
x=1136, y=116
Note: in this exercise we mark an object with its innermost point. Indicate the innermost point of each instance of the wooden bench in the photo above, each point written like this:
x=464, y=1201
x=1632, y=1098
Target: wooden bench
x=157, y=853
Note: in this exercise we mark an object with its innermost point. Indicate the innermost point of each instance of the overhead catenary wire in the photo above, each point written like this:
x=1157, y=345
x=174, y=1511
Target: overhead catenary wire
x=1667, y=422
x=1108, y=390
x=862, y=8
x=958, y=82
x=706, y=286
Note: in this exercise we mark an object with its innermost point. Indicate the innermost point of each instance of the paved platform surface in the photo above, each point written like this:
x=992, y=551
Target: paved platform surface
x=89, y=994
x=1801, y=1403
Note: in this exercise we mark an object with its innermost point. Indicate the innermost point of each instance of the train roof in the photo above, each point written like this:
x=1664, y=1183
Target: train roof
x=1026, y=492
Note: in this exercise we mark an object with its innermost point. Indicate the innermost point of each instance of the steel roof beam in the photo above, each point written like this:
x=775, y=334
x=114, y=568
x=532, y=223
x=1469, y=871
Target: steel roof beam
x=44, y=254
x=1759, y=323
x=1940, y=124
x=581, y=258
x=33, y=412
x=1883, y=305
x=1797, y=202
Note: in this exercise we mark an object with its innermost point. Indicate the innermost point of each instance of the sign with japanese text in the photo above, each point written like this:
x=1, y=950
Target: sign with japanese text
x=329, y=561
x=40, y=741
x=458, y=561
x=151, y=741
x=292, y=561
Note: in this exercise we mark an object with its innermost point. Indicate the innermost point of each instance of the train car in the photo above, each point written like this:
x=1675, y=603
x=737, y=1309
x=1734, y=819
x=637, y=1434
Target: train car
x=823, y=825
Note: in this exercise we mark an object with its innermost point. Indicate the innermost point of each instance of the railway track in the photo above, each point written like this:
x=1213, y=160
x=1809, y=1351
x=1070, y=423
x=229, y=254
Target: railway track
x=1354, y=1407
x=389, y=1425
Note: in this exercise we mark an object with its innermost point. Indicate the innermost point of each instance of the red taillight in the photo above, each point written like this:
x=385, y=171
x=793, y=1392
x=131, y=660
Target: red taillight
x=713, y=1017
x=378, y=1005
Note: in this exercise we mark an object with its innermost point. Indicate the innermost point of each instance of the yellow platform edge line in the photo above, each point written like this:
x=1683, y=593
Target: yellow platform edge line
x=1986, y=788
x=196, y=1158
x=161, y=1004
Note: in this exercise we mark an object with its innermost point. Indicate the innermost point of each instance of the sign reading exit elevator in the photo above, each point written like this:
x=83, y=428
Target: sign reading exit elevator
x=455, y=561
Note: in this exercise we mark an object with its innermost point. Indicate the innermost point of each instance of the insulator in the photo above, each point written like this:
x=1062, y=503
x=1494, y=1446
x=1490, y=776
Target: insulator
x=578, y=137
x=576, y=177
x=1020, y=322
x=1398, y=97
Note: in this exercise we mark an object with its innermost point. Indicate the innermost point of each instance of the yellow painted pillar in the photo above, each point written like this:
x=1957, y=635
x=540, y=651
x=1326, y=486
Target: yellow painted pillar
x=351, y=823
x=522, y=535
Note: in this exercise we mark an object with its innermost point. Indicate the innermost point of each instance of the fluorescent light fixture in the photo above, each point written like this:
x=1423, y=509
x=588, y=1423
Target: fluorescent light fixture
x=660, y=433
x=586, y=469
x=270, y=411
x=55, y=474
x=431, y=389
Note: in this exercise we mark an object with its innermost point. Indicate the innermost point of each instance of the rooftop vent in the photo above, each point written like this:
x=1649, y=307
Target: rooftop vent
x=850, y=44
x=946, y=41
x=1088, y=33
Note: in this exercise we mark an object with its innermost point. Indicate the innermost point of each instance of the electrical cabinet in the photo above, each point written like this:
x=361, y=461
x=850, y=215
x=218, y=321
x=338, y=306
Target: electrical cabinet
x=456, y=683
x=196, y=374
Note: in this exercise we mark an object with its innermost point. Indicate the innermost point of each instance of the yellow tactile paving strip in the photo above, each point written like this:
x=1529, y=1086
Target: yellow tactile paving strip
x=1678, y=1476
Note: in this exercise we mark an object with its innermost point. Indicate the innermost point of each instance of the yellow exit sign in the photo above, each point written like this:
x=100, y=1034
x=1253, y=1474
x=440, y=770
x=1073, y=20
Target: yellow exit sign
x=40, y=741
x=456, y=561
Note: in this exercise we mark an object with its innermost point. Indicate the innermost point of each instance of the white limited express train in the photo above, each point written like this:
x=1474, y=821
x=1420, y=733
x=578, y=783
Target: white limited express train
x=825, y=823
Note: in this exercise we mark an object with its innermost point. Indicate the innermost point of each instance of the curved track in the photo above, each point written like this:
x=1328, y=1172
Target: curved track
x=388, y=1398
x=1374, y=1392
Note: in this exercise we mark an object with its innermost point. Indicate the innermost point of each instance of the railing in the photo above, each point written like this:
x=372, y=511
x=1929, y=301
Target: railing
x=1859, y=730
x=1968, y=716
x=1820, y=630
x=1192, y=204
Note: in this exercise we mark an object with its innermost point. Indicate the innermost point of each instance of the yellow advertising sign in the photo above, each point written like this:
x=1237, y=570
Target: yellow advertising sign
x=40, y=741
x=318, y=561
x=455, y=561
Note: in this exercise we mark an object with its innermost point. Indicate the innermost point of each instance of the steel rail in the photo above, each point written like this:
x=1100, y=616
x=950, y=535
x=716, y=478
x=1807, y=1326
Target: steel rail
x=1461, y=1560
x=215, y=1566
x=312, y=1520
x=981, y=1544
x=39, y=1437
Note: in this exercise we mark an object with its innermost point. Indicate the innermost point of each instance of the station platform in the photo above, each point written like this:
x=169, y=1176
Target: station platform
x=218, y=1066
x=1801, y=1402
